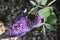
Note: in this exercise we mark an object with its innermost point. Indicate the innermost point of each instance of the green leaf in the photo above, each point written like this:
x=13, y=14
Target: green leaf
x=52, y=19
x=41, y=2
x=45, y=12
x=49, y=27
x=34, y=9
x=38, y=1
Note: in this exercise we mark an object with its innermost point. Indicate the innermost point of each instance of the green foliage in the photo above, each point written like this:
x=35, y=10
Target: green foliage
x=49, y=27
x=51, y=19
x=45, y=12
x=34, y=9
x=49, y=16
x=41, y=2
x=38, y=1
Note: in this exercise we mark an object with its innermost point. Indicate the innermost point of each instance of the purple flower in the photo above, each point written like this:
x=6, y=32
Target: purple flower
x=23, y=24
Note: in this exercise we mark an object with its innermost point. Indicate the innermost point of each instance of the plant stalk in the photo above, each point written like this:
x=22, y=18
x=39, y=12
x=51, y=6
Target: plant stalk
x=44, y=32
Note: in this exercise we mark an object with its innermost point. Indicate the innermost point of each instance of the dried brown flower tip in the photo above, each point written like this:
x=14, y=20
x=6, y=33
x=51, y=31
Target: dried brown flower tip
x=31, y=16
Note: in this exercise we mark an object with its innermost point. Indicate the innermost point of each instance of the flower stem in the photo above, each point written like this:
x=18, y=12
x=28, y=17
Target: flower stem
x=44, y=32
x=51, y=2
